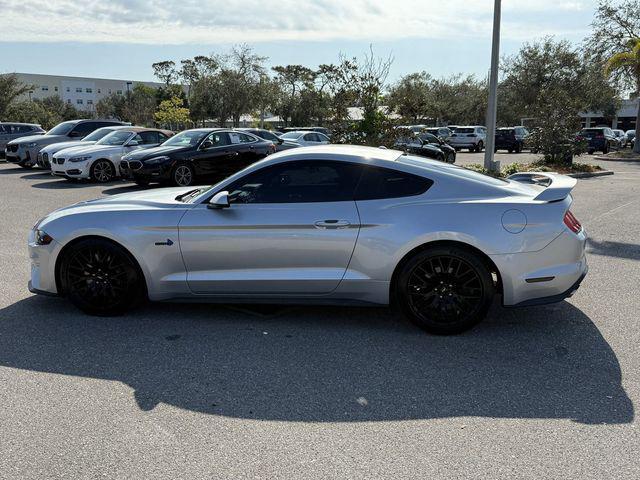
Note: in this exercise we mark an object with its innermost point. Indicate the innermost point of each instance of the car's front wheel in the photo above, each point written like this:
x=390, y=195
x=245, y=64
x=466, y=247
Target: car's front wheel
x=102, y=171
x=100, y=277
x=451, y=157
x=445, y=290
x=183, y=175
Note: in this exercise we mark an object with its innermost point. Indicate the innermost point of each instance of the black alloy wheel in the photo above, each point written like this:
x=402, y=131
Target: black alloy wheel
x=445, y=290
x=102, y=171
x=100, y=277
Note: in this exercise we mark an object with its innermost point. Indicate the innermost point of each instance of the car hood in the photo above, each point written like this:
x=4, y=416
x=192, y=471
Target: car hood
x=157, y=198
x=39, y=139
x=56, y=147
x=91, y=149
x=155, y=152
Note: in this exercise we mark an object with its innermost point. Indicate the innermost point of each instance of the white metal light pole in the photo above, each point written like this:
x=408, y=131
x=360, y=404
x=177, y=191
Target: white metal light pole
x=493, y=89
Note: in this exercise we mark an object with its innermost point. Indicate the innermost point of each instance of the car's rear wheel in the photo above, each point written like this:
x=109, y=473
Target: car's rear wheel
x=25, y=165
x=451, y=157
x=183, y=175
x=605, y=149
x=100, y=277
x=480, y=146
x=445, y=290
x=102, y=171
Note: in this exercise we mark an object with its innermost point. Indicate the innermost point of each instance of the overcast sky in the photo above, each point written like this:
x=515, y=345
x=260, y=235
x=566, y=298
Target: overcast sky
x=121, y=38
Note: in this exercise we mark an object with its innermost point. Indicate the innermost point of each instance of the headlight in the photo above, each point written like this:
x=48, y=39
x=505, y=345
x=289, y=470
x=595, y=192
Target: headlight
x=79, y=159
x=43, y=238
x=32, y=144
x=154, y=160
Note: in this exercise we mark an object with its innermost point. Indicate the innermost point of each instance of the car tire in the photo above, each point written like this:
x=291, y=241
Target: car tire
x=480, y=146
x=590, y=152
x=183, y=175
x=26, y=166
x=100, y=277
x=606, y=148
x=518, y=148
x=445, y=290
x=102, y=171
x=451, y=157
x=510, y=150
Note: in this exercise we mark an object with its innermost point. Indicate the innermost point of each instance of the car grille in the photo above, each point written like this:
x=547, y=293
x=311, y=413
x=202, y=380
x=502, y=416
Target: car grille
x=12, y=148
x=134, y=165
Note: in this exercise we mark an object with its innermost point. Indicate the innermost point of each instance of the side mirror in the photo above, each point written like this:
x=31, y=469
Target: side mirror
x=219, y=200
x=206, y=144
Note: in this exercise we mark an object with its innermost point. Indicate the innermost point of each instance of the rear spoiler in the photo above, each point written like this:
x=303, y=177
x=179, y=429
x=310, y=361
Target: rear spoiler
x=557, y=186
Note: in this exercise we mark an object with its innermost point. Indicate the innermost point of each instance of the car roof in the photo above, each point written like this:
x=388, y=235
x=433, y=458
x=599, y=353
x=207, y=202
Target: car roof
x=342, y=150
x=21, y=123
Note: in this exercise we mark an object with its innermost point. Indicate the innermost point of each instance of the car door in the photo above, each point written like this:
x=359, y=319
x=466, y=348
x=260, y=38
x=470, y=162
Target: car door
x=214, y=155
x=245, y=146
x=290, y=229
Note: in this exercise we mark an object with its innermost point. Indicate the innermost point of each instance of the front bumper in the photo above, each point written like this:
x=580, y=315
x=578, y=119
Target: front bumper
x=136, y=170
x=42, y=257
x=71, y=169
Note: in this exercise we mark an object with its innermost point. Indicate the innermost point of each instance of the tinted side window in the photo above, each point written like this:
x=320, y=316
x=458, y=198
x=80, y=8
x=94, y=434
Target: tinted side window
x=298, y=182
x=377, y=183
x=85, y=129
x=219, y=139
x=162, y=137
x=149, y=138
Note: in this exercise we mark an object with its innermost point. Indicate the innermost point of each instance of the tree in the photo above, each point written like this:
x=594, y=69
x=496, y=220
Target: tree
x=139, y=105
x=165, y=71
x=171, y=113
x=410, y=97
x=111, y=106
x=47, y=112
x=293, y=79
x=628, y=62
x=10, y=89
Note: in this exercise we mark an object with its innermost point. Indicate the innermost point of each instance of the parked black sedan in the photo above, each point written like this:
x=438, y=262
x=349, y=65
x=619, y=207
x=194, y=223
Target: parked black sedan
x=214, y=153
x=427, y=145
x=511, y=139
x=280, y=143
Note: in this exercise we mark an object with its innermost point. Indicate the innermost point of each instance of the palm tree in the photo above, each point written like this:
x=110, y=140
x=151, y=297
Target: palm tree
x=628, y=62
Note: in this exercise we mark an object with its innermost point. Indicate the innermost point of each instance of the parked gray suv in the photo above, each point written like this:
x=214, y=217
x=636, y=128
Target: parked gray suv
x=24, y=150
x=11, y=131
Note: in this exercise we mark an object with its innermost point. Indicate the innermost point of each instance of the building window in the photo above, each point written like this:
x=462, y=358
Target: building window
x=98, y=90
x=45, y=88
x=78, y=89
x=68, y=89
x=55, y=89
x=89, y=102
x=119, y=92
x=109, y=91
x=69, y=100
x=89, y=90
x=79, y=101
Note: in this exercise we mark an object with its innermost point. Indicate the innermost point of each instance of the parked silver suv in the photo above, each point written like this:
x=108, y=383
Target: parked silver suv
x=24, y=150
x=11, y=131
x=471, y=137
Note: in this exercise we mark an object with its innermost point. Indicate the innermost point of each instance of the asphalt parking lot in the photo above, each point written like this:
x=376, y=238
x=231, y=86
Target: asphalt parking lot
x=201, y=391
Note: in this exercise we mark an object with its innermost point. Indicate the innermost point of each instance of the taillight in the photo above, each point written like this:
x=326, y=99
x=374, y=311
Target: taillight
x=572, y=222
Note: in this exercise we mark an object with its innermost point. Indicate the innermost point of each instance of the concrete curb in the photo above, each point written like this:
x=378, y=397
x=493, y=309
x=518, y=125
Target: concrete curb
x=603, y=173
x=612, y=159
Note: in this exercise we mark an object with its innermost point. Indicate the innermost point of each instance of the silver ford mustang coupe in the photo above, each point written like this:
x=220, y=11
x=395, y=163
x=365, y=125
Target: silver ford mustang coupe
x=323, y=225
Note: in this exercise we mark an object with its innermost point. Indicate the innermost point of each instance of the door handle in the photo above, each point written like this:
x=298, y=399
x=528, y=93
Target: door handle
x=332, y=224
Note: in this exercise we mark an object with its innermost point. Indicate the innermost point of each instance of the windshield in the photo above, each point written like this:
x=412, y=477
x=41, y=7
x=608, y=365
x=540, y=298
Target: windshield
x=115, y=138
x=98, y=134
x=62, y=128
x=291, y=135
x=189, y=138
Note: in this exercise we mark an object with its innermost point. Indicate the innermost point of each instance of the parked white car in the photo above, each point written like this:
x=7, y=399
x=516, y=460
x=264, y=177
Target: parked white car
x=45, y=155
x=306, y=138
x=100, y=162
x=472, y=137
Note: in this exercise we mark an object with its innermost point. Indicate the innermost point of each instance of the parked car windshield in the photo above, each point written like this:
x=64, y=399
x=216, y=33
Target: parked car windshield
x=292, y=135
x=115, y=138
x=189, y=138
x=62, y=128
x=97, y=134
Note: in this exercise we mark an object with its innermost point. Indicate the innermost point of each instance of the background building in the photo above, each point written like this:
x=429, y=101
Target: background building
x=81, y=92
x=625, y=118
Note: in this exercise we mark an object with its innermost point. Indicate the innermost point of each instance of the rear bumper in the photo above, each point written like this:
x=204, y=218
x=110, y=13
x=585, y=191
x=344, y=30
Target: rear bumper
x=546, y=276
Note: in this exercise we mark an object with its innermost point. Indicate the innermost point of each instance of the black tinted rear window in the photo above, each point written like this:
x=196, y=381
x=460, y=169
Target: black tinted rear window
x=377, y=183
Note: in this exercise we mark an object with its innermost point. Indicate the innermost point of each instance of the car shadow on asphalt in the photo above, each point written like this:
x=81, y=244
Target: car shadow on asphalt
x=63, y=183
x=613, y=249
x=328, y=364
x=126, y=188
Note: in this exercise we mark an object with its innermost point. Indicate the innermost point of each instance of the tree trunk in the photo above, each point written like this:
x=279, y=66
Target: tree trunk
x=636, y=145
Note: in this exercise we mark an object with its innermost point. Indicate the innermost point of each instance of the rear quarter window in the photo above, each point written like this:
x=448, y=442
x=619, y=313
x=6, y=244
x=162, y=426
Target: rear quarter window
x=378, y=183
